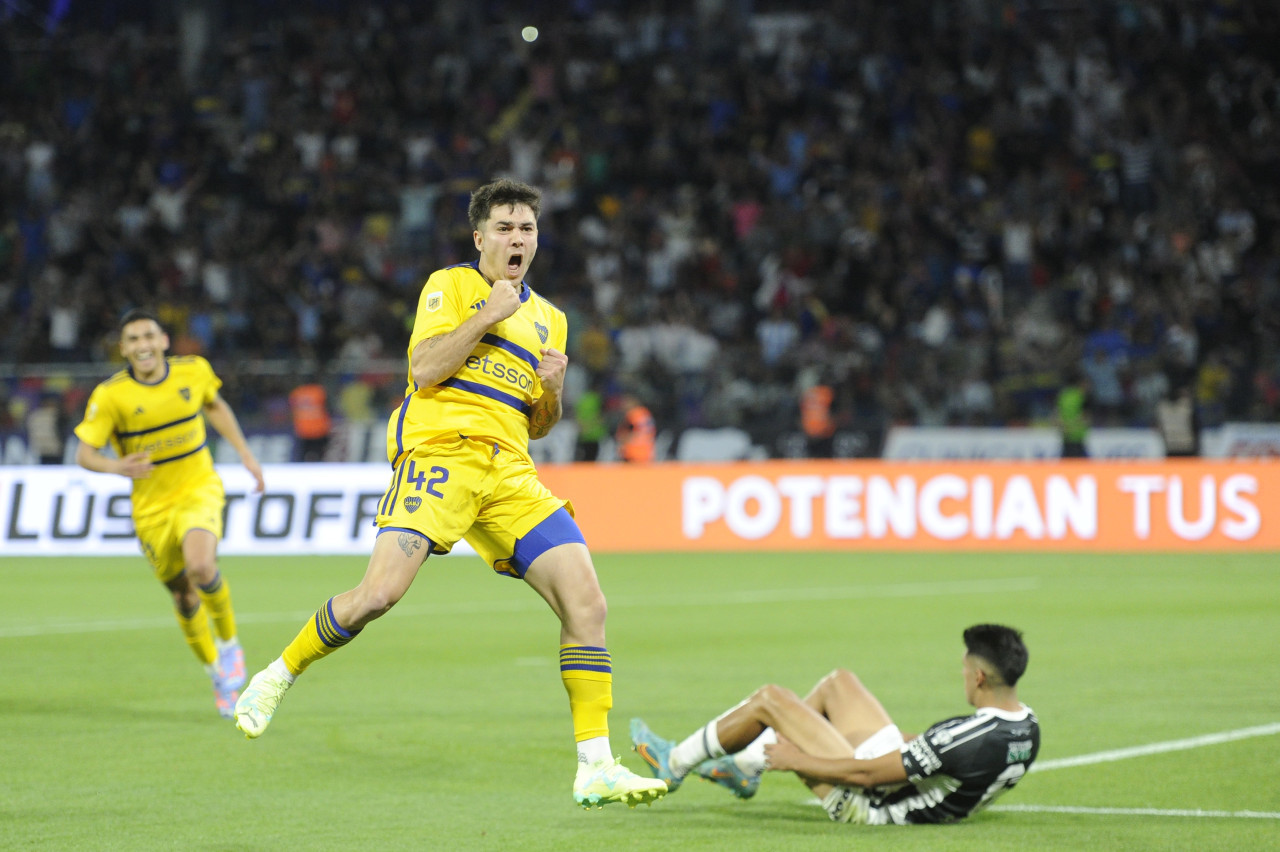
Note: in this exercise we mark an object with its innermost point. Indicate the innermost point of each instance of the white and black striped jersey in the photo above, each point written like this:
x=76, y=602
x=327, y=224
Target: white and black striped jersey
x=958, y=766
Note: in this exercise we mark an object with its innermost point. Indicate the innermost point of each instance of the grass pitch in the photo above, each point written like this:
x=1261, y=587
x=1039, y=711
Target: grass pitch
x=444, y=726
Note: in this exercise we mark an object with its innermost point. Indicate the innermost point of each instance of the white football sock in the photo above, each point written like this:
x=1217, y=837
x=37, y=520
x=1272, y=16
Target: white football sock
x=281, y=669
x=751, y=759
x=594, y=750
x=697, y=747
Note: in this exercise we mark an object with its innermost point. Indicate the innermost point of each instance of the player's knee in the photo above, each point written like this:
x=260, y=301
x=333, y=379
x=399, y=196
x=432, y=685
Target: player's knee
x=840, y=682
x=771, y=697
x=372, y=603
x=201, y=570
x=842, y=678
x=379, y=606
x=585, y=615
x=595, y=608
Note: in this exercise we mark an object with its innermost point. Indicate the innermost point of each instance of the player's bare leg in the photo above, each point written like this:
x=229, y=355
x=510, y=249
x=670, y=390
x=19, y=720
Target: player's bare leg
x=395, y=561
x=779, y=708
x=566, y=579
x=850, y=707
x=394, y=564
x=839, y=697
x=716, y=750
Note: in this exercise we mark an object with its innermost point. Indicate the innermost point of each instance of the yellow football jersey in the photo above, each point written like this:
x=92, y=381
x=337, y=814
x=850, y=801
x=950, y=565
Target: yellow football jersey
x=492, y=393
x=165, y=420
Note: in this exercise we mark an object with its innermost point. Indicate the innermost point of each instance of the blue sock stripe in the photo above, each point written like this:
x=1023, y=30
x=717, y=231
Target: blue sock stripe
x=585, y=658
x=330, y=631
x=591, y=661
x=213, y=585
x=582, y=668
x=324, y=637
x=328, y=608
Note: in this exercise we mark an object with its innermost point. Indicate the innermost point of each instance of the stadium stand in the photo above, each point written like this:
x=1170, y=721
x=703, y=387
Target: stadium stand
x=944, y=207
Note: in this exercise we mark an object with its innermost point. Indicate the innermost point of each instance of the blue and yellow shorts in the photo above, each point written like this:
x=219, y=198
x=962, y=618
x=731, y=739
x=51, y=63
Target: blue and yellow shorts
x=467, y=488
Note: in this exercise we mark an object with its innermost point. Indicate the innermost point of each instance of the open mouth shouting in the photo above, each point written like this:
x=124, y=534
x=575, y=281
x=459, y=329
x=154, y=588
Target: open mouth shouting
x=514, y=263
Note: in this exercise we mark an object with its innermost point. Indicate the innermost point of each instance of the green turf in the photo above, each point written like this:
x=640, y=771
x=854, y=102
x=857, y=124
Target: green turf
x=445, y=725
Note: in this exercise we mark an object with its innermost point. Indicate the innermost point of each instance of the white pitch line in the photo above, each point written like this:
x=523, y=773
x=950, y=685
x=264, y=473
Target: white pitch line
x=534, y=603
x=1157, y=748
x=1174, y=812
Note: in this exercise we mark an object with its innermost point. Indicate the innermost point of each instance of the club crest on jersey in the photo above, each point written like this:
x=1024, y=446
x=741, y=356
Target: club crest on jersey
x=542, y=331
x=185, y=393
x=434, y=300
x=412, y=504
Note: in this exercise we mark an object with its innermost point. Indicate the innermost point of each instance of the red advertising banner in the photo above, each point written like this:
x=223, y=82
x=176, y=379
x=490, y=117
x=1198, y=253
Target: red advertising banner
x=1060, y=505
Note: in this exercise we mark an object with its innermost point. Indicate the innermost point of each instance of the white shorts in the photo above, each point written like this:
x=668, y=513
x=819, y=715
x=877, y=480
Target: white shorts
x=852, y=804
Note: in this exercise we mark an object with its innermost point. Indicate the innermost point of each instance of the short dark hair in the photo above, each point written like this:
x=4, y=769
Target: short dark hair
x=136, y=314
x=502, y=193
x=1000, y=646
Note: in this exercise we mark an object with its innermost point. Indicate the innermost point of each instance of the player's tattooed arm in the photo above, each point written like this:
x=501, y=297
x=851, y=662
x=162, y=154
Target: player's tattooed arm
x=545, y=414
x=547, y=408
x=410, y=544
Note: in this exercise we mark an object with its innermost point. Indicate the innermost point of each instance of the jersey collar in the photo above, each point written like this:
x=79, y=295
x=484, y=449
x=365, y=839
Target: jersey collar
x=1017, y=716
x=129, y=370
x=525, y=291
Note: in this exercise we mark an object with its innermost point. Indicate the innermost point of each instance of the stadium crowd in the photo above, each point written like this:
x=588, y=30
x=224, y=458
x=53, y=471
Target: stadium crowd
x=941, y=212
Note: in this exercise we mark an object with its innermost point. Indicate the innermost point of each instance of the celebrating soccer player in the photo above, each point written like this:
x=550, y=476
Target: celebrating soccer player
x=841, y=743
x=486, y=368
x=150, y=413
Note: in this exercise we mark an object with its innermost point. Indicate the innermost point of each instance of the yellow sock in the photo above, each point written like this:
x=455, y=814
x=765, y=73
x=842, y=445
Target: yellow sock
x=196, y=628
x=217, y=597
x=587, y=672
x=319, y=637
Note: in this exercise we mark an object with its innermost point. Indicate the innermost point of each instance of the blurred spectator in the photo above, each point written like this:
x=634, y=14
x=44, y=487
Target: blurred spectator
x=355, y=401
x=1175, y=419
x=1106, y=388
x=1073, y=416
x=636, y=432
x=1213, y=384
x=46, y=426
x=312, y=425
x=777, y=335
x=817, y=419
x=588, y=413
